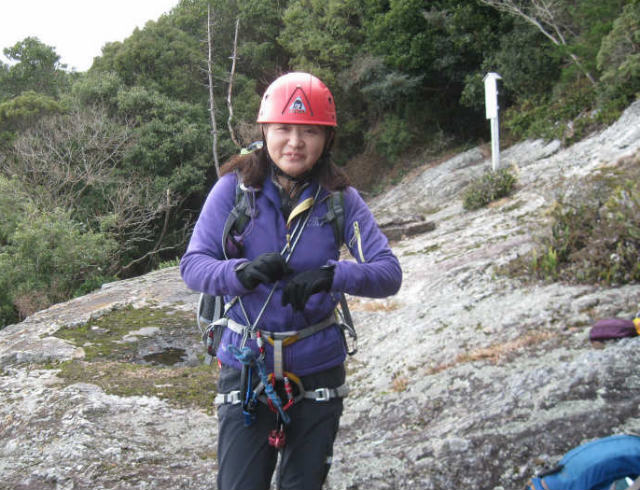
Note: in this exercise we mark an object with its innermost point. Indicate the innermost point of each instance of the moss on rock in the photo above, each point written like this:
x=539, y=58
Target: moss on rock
x=113, y=360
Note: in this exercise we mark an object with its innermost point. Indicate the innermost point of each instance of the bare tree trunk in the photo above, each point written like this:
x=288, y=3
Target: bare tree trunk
x=540, y=13
x=212, y=104
x=229, y=92
x=165, y=225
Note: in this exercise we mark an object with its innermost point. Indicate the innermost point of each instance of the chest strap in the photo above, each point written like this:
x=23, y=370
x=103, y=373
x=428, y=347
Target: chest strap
x=282, y=339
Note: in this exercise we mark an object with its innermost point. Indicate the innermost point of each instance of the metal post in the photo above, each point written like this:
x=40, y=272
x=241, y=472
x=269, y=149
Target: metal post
x=491, y=105
x=495, y=144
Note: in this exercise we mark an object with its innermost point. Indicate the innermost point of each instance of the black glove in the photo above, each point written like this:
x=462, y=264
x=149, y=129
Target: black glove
x=302, y=286
x=265, y=268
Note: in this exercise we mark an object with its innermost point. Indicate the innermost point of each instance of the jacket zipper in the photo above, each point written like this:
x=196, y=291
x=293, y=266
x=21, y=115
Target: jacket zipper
x=357, y=238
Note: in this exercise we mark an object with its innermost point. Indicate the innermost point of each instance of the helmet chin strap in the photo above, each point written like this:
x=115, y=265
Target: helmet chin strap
x=278, y=172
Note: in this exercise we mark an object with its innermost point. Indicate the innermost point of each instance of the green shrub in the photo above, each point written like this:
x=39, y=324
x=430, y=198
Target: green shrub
x=545, y=264
x=569, y=117
x=619, y=56
x=594, y=235
x=391, y=138
x=490, y=186
x=165, y=264
x=13, y=203
x=50, y=258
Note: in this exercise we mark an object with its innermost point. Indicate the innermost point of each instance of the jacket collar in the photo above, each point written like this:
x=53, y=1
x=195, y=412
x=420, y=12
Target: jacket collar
x=272, y=192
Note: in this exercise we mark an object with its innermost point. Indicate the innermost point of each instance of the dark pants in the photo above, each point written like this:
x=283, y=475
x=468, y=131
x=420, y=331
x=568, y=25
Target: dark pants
x=246, y=461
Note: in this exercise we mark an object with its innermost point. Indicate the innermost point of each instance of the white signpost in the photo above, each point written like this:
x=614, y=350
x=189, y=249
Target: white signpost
x=491, y=105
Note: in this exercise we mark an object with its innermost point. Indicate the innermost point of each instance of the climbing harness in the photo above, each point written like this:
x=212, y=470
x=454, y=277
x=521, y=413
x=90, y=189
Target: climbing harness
x=317, y=395
x=279, y=340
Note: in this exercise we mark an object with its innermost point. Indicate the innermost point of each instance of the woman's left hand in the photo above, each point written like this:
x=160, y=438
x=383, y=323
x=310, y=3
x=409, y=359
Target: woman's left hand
x=303, y=285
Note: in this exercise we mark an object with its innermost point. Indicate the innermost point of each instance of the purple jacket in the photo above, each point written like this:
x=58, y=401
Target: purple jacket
x=376, y=272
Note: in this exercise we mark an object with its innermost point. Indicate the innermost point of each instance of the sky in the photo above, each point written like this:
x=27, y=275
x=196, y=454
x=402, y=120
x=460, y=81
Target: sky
x=77, y=29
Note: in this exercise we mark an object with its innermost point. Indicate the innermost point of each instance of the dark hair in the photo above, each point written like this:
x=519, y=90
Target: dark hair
x=254, y=169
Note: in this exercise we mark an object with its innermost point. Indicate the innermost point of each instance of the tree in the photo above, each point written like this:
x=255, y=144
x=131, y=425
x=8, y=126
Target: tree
x=159, y=57
x=63, y=158
x=97, y=88
x=170, y=142
x=13, y=206
x=37, y=68
x=550, y=17
x=261, y=56
x=212, y=100
x=410, y=70
x=619, y=55
x=49, y=257
x=321, y=35
x=24, y=111
x=74, y=162
x=232, y=72
x=229, y=99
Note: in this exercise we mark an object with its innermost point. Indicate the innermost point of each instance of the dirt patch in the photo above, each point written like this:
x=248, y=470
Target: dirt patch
x=358, y=304
x=495, y=353
x=185, y=387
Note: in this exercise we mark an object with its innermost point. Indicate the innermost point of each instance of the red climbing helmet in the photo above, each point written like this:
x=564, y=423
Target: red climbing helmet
x=298, y=98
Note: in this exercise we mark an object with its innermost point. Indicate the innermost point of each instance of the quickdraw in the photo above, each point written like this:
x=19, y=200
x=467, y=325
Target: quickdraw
x=249, y=359
x=288, y=388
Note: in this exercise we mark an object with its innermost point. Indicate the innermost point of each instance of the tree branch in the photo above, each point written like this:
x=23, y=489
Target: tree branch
x=148, y=254
x=212, y=104
x=230, y=90
x=541, y=13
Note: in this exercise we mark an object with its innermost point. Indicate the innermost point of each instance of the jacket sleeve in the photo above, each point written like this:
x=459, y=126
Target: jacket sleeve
x=203, y=266
x=376, y=272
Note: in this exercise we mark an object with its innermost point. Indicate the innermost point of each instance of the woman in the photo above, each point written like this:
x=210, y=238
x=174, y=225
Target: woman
x=283, y=270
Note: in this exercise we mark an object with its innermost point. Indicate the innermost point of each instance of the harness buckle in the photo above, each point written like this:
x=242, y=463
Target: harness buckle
x=234, y=398
x=322, y=394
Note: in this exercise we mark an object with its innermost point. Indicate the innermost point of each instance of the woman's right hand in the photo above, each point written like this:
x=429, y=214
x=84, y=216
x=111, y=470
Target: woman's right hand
x=266, y=268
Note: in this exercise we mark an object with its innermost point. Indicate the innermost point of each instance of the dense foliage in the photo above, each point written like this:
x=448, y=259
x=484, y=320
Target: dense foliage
x=104, y=172
x=594, y=235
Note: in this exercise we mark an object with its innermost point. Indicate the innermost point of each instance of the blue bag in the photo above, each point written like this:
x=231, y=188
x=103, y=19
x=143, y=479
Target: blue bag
x=609, y=463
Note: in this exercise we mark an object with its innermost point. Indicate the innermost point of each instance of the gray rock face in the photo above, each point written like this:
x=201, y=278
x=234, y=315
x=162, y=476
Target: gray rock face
x=465, y=379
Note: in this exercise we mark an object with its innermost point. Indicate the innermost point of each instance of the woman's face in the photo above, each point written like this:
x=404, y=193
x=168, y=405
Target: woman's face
x=295, y=148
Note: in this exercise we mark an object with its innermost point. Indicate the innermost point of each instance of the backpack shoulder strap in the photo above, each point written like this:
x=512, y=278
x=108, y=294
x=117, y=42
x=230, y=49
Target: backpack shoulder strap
x=335, y=215
x=240, y=214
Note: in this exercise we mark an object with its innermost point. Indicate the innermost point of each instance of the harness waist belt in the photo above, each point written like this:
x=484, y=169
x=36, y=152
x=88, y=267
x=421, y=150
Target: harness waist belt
x=284, y=336
x=318, y=395
x=281, y=339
